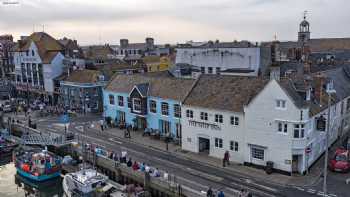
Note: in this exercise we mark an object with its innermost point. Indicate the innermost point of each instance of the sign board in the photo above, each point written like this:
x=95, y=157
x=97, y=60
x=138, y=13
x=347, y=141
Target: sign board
x=308, y=150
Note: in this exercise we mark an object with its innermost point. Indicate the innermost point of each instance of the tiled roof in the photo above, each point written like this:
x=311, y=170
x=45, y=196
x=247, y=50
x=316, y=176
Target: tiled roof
x=48, y=47
x=329, y=44
x=159, y=86
x=229, y=93
x=84, y=76
x=98, y=52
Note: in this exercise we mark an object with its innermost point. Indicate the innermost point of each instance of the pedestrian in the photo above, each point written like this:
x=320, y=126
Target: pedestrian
x=101, y=123
x=226, y=159
x=142, y=167
x=123, y=158
x=156, y=173
x=135, y=166
x=210, y=192
x=166, y=175
x=147, y=168
x=221, y=194
x=129, y=163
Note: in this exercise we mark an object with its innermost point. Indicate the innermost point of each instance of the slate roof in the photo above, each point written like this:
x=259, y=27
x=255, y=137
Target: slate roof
x=229, y=93
x=143, y=89
x=98, y=52
x=84, y=76
x=329, y=44
x=48, y=47
x=159, y=86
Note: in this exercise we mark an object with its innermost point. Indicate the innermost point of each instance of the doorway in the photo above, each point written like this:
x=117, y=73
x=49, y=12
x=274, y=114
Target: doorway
x=296, y=163
x=203, y=145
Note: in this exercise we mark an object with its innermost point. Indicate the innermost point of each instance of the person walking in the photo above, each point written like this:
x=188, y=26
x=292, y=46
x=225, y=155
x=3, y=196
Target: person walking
x=226, y=159
x=221, y=194
x=101, y=124
x=210, y=192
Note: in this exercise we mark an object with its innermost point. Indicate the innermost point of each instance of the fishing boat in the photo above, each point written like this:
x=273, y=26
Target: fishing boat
x=37, y=164
x=89, y=182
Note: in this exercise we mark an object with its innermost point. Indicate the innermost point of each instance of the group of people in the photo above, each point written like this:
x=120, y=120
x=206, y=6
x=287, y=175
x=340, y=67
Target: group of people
x=242, y=193
x=135, y=165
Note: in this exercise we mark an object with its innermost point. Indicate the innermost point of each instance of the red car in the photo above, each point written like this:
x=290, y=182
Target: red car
x=340, y=161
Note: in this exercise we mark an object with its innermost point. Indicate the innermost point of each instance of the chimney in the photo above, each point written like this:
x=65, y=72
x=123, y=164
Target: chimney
x=124, y=43
x=275, y=72
x=319, y=81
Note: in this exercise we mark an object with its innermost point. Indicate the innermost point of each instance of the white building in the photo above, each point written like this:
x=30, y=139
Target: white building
x=38, y=60
x=234, y=58
x=261, y=120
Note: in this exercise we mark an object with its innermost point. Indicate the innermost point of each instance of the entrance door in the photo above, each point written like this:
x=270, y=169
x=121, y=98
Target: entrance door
x=295, y=164
x=141, y=123
x=164, y=126
x=204, y=145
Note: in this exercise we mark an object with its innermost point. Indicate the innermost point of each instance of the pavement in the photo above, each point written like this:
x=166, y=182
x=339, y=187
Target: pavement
x=200, y=171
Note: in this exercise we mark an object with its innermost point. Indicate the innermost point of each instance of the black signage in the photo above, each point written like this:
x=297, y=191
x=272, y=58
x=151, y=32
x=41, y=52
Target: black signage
x=203, y=125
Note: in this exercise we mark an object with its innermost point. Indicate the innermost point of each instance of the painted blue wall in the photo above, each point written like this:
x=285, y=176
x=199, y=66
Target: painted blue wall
x=153, y=119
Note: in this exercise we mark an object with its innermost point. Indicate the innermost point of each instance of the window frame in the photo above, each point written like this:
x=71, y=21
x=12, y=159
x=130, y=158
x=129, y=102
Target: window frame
x=137, y=104
x=163, y=104
x=282, y=128
x=120, y=101
x=189, y=113
x=204, y=116
x=234, y=120
x=299, y=131
x=256, y=153
x=218, y=142
x=177, y=111
x=111, y=99
x=219, y=118
x=281, y=104
x=234, y=146
x=153, y=106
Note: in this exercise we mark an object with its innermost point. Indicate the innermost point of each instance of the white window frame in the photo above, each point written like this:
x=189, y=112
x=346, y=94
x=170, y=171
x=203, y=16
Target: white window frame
x=133, y=105
x=281, y=104
x=204, y=116
x=177, y=111
x=282, y=128
x=234, y=146
x=153, y=108
x=234, y=120
x=189, y=113
x=300, y=130
x=257, y=155
x=163, y=110
x=120, y=101
x=219, y=118
x=218, y=142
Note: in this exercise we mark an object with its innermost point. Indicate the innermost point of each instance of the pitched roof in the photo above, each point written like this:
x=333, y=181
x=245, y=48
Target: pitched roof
x=229, y=93
x=159, y=86
x=98, y=52
x=84, y=76
x=143, y=89
x=48, y=47
x=329, y=44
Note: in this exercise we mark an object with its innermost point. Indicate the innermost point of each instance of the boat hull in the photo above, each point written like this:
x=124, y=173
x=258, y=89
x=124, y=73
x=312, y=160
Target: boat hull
x=38, y=178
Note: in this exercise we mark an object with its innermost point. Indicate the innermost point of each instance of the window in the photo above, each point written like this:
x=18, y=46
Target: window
x=218, y=143
x=153, y=106
x=120, y=100
x=111, y=99
x=27, y=53
x=137, y=104
x=32, y=52
x=204, y=116
x=165, y=109
x=282, y=127
x=218, y=118
x=202, y=70
x=129, y=102
x=218, y=70
x=234, y=120
x=210, y=70
x=299, y=130
x=280, y=104
x=234, y=146
x=257, y=153
x=177, y=111
x=189, y=113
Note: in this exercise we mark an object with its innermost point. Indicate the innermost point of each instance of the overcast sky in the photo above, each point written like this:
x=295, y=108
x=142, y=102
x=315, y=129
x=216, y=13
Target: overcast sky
x=173, y=21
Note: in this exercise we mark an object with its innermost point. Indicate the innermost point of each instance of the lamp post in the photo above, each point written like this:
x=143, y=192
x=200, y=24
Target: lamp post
x=330, y=91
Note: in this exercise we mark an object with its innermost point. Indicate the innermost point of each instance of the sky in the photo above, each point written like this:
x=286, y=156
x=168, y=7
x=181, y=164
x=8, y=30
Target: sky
x=173, y=21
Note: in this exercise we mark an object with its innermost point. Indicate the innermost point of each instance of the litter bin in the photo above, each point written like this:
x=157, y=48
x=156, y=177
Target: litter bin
x=269, y=167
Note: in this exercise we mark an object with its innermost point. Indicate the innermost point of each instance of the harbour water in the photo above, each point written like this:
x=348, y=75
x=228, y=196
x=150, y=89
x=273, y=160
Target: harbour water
x=13, y=185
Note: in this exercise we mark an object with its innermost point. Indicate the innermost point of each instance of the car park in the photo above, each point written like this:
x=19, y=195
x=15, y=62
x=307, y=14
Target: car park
x=341, y=161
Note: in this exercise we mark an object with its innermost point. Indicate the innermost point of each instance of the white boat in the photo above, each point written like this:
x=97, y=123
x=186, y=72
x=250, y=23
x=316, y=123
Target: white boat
x=90, y=183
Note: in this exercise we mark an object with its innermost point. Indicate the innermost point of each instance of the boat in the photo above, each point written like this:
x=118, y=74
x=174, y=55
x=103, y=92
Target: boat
x=90, y=183
x=37, y=164
x=6, y=147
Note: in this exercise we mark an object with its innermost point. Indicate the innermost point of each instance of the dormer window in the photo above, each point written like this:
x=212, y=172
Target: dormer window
x=137, y=105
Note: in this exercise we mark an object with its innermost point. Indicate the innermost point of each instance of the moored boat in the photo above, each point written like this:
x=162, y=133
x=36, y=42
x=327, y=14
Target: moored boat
x=37, y=164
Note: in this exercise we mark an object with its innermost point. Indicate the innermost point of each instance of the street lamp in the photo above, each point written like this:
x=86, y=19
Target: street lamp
x=330, y=91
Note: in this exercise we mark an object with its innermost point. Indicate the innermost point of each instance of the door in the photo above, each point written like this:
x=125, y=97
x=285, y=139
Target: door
x=295, y=163
x=203, y=145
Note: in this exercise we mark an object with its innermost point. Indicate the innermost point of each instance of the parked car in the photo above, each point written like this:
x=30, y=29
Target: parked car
x=341, y=161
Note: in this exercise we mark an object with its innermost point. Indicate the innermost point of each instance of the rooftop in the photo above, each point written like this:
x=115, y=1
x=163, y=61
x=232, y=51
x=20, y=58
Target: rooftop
x=84, y=76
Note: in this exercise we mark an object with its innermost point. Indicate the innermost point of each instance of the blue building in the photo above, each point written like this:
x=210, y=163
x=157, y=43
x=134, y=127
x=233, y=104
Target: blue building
x=147, y=101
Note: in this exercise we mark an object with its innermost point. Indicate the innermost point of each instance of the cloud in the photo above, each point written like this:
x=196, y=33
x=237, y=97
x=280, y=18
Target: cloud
x=175, y=20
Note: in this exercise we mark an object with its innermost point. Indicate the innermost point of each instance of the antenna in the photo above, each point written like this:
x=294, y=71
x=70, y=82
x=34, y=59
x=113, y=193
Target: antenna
x=305, y=14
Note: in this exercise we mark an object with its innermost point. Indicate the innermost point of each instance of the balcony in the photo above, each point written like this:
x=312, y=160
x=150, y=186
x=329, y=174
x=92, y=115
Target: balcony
x=299, y=143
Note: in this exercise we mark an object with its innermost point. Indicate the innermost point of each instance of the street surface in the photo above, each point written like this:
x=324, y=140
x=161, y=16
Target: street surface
x=191, y=173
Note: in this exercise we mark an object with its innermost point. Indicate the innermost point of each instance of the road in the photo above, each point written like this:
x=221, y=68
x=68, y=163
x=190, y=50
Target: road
x=191, y=173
